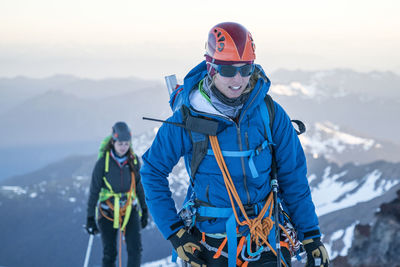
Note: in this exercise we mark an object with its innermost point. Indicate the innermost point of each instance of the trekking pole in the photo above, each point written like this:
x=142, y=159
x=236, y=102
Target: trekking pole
x=171, y=83
x=274, y=187
x=88, y=250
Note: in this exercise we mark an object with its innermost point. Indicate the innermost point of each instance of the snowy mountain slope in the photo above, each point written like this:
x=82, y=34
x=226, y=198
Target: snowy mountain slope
x=377, y=243
x=350, y=194
x=342, y=146
x=326, y=138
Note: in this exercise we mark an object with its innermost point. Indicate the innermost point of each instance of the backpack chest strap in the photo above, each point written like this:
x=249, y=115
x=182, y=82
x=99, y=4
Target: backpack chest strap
x=246, y=153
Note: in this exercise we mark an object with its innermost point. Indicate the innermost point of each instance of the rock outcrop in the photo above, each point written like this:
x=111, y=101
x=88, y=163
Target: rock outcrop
x=376, y=245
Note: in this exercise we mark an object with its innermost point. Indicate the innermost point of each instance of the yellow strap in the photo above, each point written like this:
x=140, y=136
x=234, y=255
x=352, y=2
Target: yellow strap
x=127, y=216
x=107, y=161
x=134, y=160
x=108, y=185
x=116, y=212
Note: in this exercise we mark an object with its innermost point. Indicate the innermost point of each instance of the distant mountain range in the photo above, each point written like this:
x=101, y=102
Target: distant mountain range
x=363, y=104
x=45, y=120
x=341, y=146
x=64, y=115
x=70, y=109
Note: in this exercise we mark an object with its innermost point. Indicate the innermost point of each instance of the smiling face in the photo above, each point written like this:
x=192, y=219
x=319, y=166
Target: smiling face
x=231, y=87
x=121, y=147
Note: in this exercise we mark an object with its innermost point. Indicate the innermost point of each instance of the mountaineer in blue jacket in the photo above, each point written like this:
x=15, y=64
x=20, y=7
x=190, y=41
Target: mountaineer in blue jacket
x=230, y=157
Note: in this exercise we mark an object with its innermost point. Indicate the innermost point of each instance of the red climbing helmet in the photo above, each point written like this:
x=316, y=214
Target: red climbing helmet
x=230, y=41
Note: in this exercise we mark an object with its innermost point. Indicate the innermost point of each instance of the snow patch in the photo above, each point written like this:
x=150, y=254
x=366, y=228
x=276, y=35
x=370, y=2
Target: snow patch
x=33, y=195
x=327, y=139
x=311, y=178
x=337, y=235
x=79, y=178
x=166, y=262
x=72, y=199
x=346, y=235
x=346, y=138
x=15, y=189
x=331, y=195
x=294, y=89
x=348, y=239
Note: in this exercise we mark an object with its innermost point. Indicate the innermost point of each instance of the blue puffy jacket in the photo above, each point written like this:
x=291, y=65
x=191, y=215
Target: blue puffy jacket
x=172, y=142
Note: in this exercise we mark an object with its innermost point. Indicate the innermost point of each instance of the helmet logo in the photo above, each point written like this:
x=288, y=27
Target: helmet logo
x=253, y=46
x=221, y=47
x=220, y=41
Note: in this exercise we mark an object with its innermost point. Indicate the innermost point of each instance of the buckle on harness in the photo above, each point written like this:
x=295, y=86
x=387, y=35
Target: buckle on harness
x=258, y=150
x=251, y=209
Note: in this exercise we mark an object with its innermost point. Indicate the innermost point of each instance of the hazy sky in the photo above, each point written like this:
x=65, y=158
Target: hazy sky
x=150, y=39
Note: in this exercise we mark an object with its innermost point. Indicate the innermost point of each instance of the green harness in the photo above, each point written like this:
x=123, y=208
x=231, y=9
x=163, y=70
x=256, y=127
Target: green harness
x=106, y=193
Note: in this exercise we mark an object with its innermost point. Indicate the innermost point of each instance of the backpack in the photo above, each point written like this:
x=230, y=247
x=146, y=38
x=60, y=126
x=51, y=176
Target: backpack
x=103, y=145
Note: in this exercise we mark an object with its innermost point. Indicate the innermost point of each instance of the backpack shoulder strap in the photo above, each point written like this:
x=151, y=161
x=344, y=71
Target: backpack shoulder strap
x=271, y=109
x=271, y=112
x=268, y=116
x=200, y=145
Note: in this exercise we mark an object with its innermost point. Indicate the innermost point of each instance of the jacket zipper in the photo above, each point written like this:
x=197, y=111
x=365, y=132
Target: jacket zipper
x=241, y=147
x=247, y=140
x=242, y=161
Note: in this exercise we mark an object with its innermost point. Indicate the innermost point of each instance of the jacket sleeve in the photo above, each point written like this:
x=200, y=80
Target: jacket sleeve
x=292, y=179
x=95, y=187
x=158, y=161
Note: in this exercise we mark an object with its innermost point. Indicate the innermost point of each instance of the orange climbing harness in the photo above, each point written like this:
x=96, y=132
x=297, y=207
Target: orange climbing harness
x=124, y=210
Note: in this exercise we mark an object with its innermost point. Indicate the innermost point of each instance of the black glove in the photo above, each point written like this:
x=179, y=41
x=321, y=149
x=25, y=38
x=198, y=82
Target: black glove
x=144, y=219
x=91, y=226
x=316, y=253
x=188, y=247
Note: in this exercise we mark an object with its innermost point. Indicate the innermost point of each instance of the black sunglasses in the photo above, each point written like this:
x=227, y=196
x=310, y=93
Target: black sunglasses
x=231, y=71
